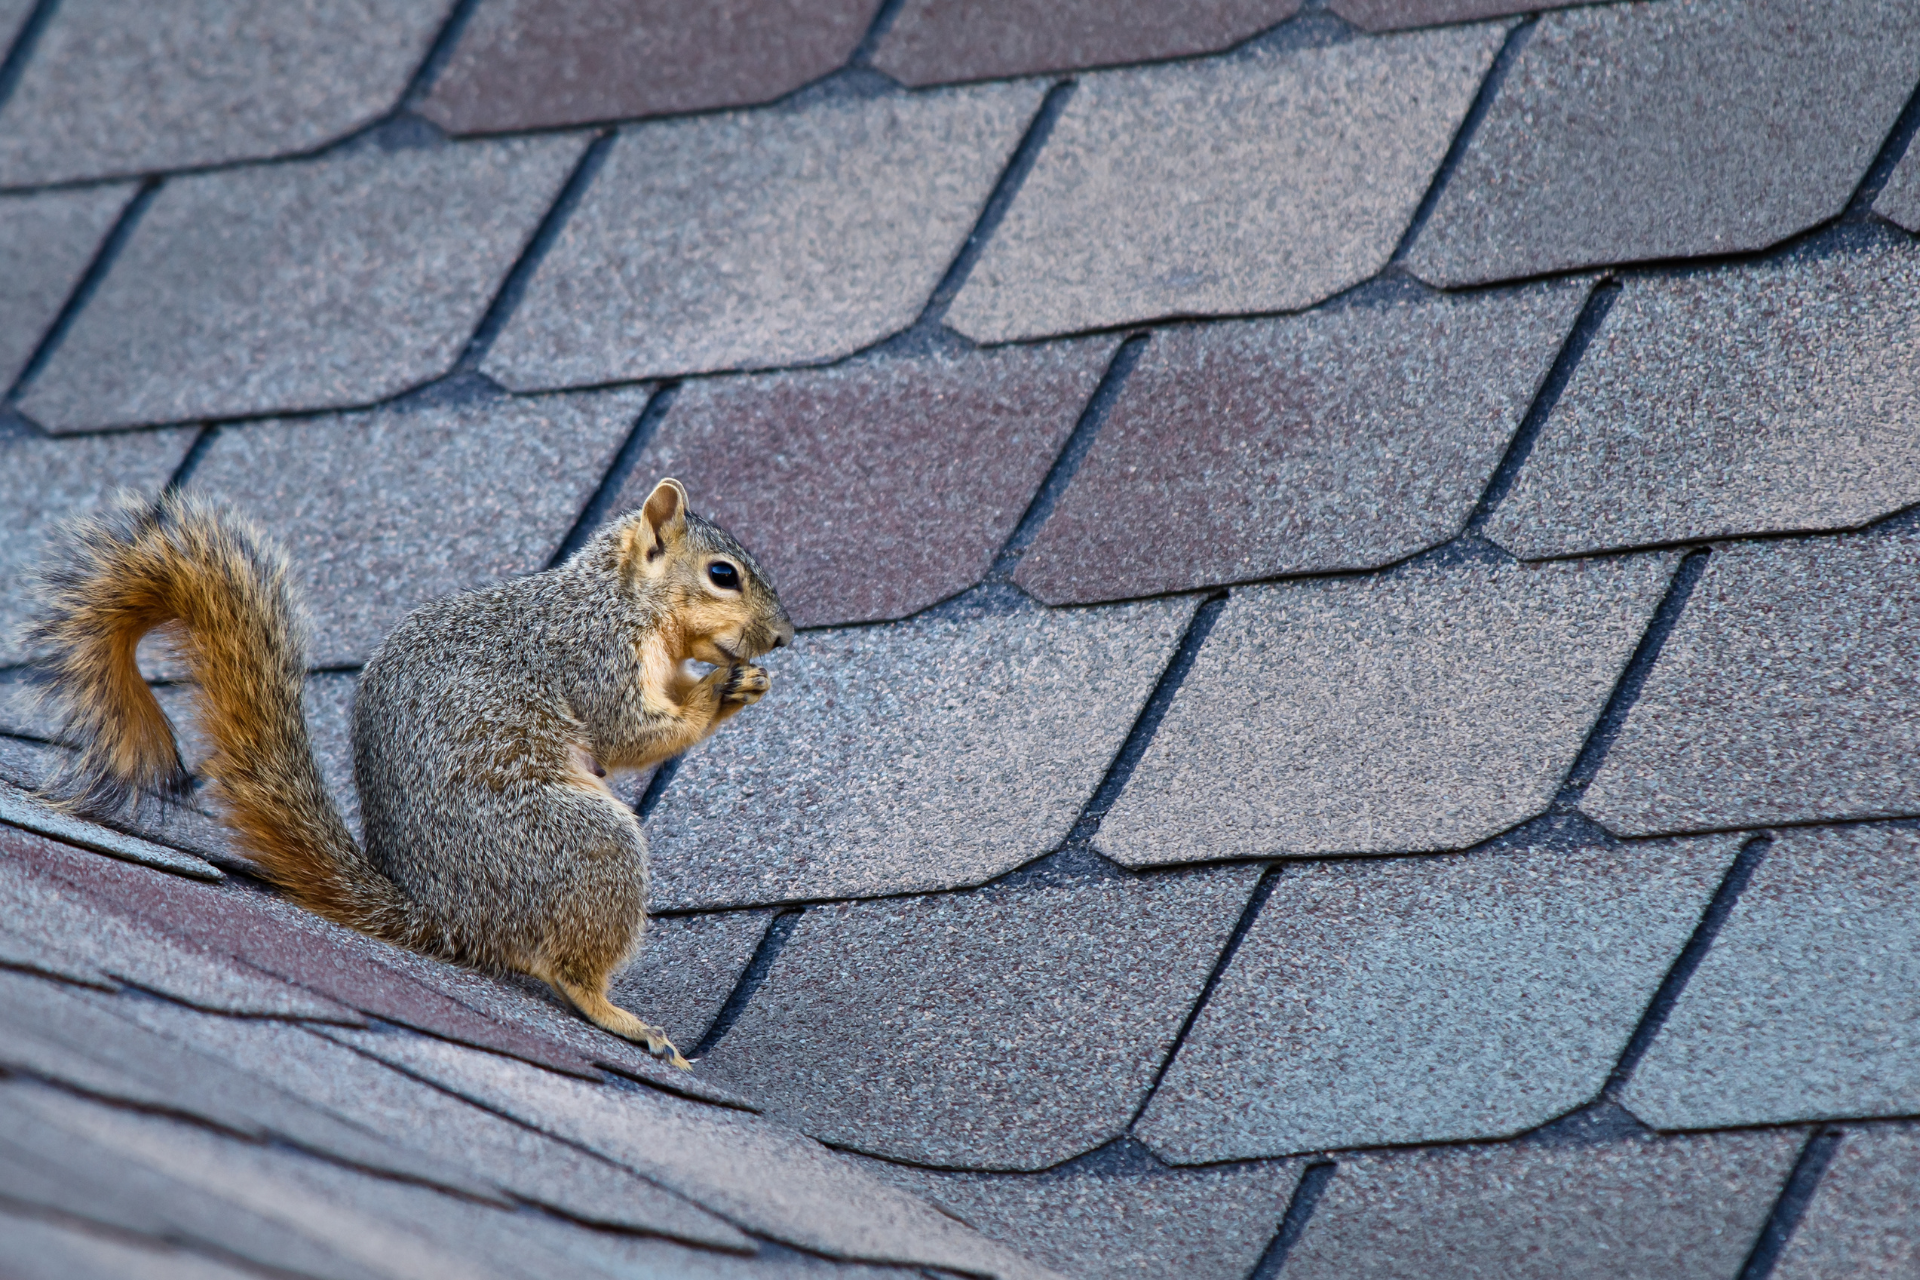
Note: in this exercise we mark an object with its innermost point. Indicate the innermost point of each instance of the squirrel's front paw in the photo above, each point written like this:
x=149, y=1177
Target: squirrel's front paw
x=745, y=685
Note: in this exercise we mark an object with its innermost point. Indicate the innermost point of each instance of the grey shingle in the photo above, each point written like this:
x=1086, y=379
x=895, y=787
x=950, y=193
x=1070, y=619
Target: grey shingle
x=1804, y=1007
x=1264, y=182
x=42, y=482
x=1760, y=399
x=116, y=88
x=1785, y=694
x=688, y=968
x=42, y=908
x=1429, y=999
x=1131, y=1218
x=317, y=285
x=879, y=486
x=46, y=244
x=1663, y=1209
x=910, y=1028
x=764, y=238
x=19, y=809
x=1899, y=199
x=1864, y=1221
x=373, y=1096
x=384, y=511
x=1637, y=131
x=1344, y=439
x=523, y=64
x=756, y=1173
x=1399, y=15
x=13, y=19
x=273, y=1206
x=930, y=41
x=1412, y=712
x=40, y=1250
x=937, y=753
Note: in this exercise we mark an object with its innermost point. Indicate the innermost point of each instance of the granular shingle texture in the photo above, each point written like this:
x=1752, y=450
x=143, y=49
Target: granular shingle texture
x=1899, y=199
x=688, y=968
x=1430, y=999
x=1636, y=131
x=1786, y=694
x=1671, y=1209
x=930, y=41
x=1398, y=15
x=763, y=238
x=1754, y=400
x=116, y=87
x=384, y=511
x=42, y=1250
x=1804, y=1008
x=854, y=465
x=749, y=1170
x=1260, y=183
x=1421, y=711
x=29, y=813
x=939, y=753
x=43, y=482
x=911, y=1028
x=1864, y=1221
x=1338, y=440
x=1112, y=1217
x=317, y=285
x=47, y=241
x=526, y=64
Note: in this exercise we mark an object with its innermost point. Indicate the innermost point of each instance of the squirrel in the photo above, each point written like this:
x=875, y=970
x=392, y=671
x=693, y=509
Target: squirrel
x=483, y=725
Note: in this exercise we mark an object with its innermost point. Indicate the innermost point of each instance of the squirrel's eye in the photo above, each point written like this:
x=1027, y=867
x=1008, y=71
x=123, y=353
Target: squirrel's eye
x=724, y=575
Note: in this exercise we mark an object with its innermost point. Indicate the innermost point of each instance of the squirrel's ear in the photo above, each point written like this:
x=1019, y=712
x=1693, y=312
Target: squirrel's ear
x=663, y=517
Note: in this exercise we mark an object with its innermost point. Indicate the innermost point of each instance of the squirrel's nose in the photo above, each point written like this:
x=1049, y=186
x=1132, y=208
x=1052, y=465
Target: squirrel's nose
x=780, y=642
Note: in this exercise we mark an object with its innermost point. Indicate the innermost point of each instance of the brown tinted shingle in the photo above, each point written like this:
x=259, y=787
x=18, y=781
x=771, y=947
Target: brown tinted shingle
x=933, y=41
x=524, y=64
x=874, y=489
x=1335, y=441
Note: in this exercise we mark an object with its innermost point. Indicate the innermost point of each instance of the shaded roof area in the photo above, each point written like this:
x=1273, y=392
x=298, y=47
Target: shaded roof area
x=1356, y=701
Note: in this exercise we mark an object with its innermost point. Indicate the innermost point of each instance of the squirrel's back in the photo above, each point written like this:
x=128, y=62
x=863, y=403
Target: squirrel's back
x=223, y=587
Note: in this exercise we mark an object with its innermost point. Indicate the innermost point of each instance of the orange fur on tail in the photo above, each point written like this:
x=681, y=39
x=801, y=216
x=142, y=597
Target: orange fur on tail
x=223, y=586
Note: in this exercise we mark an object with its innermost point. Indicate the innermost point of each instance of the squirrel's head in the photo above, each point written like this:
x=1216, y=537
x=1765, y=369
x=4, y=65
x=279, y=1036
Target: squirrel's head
x=723, y=606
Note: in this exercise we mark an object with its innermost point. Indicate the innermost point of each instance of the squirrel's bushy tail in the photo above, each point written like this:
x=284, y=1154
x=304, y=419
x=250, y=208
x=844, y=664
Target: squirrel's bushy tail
x=224, y=586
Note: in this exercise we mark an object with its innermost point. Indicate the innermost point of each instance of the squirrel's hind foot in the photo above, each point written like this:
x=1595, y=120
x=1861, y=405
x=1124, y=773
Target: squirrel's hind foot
x=608, y=1016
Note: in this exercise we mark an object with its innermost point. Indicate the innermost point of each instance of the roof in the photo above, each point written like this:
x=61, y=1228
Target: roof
x=1355, y=705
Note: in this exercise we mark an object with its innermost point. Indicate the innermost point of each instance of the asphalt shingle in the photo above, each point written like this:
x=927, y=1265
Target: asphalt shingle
x=1428, y=999
x=43, y=908
x=857, y=466
x=13, y=20
x=1635, y=131
x=1663, y=1209
x=43, y=482
x=1399, y=15
x=933, y=41
x=1264, y=182
x=47, y=241
x=938, y=753
x=1786, y=693
x=1413, y=712
x=1864, y=1221
x=755, y=239
x=689, y=966
x=1803, y=1009
x=526, y=64
x=910, y=1028
x=1899, y=199
x=19, y=809
x=118, y=88
x=384, y=511
x=1339, y=440
x=761, y=1176
x=324, y=284
x=367, y=1093
x=1759, y=399
x=1121, y=1217
x=40, y=1250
